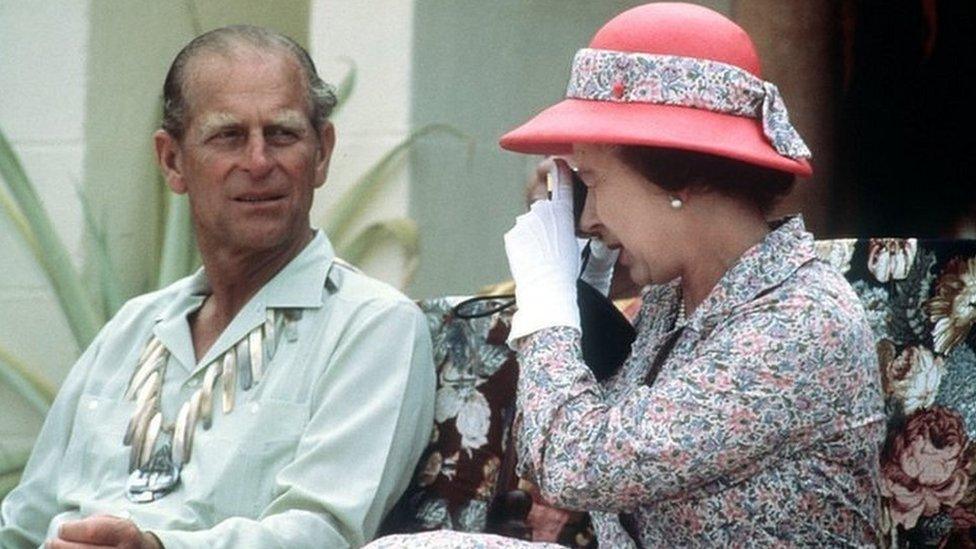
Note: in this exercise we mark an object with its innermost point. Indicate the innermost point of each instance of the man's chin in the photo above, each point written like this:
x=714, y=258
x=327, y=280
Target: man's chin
x=257, y=239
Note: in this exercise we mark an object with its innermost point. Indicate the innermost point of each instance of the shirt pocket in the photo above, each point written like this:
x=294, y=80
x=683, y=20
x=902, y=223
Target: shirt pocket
x=96, y=462
x=256, y=442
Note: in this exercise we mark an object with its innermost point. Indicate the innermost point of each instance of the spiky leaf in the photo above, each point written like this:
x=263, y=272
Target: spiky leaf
x=33, y=388
x=357, y=199
x=83, y=319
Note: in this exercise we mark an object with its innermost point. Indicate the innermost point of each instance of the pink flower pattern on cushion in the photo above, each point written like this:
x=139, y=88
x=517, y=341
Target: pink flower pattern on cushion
x=925, y=468
x=763, y=426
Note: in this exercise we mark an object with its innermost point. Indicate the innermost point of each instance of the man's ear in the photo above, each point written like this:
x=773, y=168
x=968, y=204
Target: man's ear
x=327, y=140
x=168, y=157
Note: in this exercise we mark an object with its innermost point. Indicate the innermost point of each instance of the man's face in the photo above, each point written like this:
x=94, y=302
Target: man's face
x=249, y=158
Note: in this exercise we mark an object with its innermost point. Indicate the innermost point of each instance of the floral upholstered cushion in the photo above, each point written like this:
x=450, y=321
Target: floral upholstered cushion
x=920, y=297
x=458, y=475
x=476, y=377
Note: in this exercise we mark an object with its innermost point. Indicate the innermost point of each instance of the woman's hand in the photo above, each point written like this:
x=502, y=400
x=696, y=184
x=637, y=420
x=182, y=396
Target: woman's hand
x=543, y=256
x=600, y=267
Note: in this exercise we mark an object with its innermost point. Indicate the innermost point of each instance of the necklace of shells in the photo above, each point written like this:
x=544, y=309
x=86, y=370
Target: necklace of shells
x=154, y=473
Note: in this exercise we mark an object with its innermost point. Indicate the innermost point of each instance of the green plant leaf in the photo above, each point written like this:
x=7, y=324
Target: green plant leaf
x=9, y=481
x=178, y=256
x=346, y=85
x=108, y=283
x=19, y=221
x=16, y=451
x=354, y=202
x=194, y=15
x=402, y=231
x=33, y=388
x=50, y=253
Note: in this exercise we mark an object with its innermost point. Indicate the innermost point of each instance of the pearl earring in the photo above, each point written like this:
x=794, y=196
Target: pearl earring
x=676, y=203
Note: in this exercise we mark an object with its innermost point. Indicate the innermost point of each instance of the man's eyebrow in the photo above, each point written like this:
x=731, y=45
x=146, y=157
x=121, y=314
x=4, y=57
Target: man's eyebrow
x=213, y=121
x=291, y=119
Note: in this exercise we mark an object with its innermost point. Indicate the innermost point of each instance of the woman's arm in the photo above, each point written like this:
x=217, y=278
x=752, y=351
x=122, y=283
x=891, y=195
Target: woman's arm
x=763, y=383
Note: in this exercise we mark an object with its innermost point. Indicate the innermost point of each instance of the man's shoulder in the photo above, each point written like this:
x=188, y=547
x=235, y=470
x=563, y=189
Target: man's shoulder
x=359, y=289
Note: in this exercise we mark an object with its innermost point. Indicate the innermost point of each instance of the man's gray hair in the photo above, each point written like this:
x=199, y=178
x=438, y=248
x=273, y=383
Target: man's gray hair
x=225, y=40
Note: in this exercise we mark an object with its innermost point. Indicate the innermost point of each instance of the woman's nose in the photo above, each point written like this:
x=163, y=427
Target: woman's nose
x=588, y=223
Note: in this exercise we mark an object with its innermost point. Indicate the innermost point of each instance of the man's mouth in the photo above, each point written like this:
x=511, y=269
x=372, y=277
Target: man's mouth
x=255, y=199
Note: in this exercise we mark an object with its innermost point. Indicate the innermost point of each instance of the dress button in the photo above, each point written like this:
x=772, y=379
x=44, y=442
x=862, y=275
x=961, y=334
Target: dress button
x=92, y=405
x=254, y=407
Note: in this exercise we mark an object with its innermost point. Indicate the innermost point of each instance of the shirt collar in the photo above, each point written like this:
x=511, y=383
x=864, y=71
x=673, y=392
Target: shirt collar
x=300, y=284
x=761, y=268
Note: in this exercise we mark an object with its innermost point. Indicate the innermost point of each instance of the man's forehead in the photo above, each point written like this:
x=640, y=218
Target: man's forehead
x=243, y=69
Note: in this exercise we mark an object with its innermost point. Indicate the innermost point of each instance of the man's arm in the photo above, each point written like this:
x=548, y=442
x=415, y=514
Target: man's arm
x=372, y=419
x=29, y=508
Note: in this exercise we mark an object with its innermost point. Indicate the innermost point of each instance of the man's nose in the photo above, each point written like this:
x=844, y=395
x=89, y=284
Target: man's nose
x=259, y=160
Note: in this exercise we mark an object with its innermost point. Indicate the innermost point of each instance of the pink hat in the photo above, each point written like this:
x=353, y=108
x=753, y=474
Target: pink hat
x=669, y=75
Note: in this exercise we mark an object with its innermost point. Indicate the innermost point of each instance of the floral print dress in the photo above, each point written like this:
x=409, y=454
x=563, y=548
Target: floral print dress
x=762, y=426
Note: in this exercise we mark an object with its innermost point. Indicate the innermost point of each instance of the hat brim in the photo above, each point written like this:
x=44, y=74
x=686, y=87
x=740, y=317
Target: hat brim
x=556, y=129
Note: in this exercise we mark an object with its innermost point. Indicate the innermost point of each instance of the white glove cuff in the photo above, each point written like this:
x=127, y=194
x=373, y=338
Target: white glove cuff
x=555, y=305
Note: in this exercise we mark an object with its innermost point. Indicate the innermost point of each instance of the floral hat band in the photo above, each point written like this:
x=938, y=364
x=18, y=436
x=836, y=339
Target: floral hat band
x=624, y=77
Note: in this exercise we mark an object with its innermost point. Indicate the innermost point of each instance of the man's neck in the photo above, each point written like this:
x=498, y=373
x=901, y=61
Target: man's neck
x=236, y=275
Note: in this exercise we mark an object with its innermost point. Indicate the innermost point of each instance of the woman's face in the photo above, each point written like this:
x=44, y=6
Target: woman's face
x=626, y=211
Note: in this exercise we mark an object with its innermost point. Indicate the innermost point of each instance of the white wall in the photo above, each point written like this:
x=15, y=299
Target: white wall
x=42, y=103
x=377, y=36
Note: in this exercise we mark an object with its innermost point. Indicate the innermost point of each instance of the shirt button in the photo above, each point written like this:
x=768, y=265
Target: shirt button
x=92, y=405
x=254, y=407
x=124, y=515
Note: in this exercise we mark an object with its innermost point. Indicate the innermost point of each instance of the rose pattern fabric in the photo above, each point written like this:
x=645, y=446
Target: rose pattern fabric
x=604, y=75
x=925, y=468
x=838, y=253
x=476, y=372
x=953, y=308
x=913, y=376
x=890, y=258
x=918, y=295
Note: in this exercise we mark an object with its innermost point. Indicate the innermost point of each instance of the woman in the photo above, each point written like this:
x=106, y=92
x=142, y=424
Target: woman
x=749, y=412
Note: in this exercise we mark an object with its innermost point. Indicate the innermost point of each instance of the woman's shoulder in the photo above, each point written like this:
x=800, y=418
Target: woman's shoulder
x=816, y=287
x=815, y=301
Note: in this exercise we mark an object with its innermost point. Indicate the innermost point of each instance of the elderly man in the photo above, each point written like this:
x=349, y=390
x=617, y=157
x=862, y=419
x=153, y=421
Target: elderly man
x=277, y=398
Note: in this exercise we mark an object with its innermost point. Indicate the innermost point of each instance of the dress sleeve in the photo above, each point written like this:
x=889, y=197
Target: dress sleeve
x=748, y=392
x=371, y=422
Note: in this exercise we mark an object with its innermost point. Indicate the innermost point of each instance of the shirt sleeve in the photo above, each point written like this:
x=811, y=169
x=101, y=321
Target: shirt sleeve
x=757, y=385
x=27, y=510
x=368, y=429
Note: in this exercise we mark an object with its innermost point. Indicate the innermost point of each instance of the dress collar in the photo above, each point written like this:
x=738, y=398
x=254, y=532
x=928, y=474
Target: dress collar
x=762, y=267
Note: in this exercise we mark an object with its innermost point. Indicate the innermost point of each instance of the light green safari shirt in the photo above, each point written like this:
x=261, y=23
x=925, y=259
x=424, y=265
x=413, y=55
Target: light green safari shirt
x=312, y=456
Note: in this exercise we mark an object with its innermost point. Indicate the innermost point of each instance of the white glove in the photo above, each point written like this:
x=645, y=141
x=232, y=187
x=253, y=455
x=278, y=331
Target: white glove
x=599, y=269
x=544, y=259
